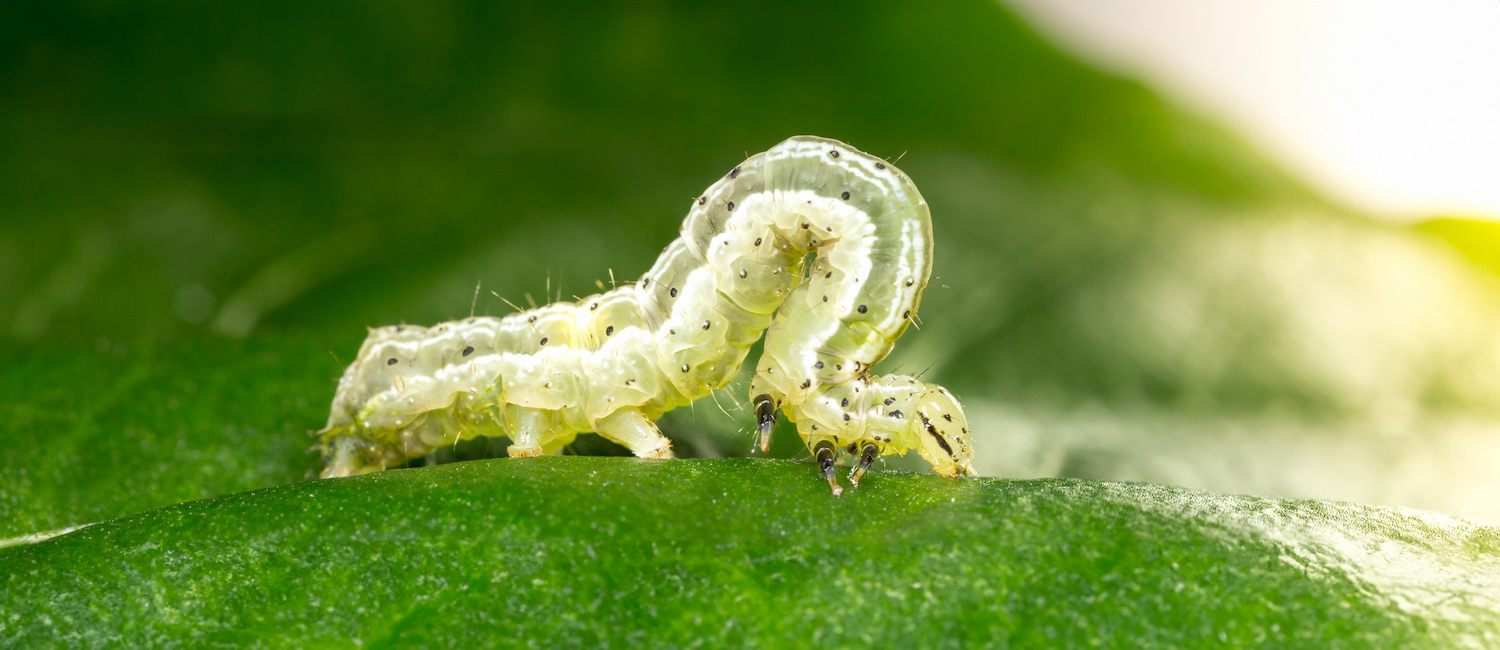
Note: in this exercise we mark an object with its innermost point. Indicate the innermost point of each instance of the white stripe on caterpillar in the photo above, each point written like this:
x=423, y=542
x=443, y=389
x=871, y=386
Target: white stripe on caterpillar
x=614, y=362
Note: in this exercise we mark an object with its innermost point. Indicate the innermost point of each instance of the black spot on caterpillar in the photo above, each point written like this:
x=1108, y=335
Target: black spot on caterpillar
x=617, y=379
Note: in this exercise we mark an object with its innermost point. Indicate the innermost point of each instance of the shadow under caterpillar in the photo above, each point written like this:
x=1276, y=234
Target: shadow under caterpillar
x=614, y=362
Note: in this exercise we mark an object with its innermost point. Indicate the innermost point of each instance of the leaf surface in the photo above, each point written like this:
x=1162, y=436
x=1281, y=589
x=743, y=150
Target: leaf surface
x=612, y=552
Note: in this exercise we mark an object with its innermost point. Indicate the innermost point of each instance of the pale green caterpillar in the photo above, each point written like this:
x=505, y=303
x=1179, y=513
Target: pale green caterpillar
x=614, y=362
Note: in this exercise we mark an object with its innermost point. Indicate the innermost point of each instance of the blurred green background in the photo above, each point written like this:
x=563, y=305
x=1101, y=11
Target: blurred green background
x=202, y=206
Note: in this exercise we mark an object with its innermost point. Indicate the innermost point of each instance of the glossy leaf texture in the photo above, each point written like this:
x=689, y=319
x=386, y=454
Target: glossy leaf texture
x=614, y=552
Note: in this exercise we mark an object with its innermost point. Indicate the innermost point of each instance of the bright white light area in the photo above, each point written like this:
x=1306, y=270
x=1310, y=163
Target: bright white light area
x=1392, y=106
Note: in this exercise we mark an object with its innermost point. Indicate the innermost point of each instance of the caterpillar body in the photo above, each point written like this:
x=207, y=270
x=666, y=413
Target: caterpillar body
x=614, y=362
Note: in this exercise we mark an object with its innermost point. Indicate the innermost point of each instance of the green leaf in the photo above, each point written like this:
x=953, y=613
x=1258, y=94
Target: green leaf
x=608, y=552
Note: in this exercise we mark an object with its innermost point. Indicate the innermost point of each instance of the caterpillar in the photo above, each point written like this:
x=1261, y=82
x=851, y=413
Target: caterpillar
x=612, y=363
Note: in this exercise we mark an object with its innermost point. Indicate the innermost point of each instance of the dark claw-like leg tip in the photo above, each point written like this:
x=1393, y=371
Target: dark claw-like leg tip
x=866, y=458
x=765, y=421
x=867, y=455
x=824, y=453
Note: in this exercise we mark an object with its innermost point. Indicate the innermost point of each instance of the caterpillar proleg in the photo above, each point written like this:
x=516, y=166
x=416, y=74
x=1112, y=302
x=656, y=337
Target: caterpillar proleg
x=614, y=362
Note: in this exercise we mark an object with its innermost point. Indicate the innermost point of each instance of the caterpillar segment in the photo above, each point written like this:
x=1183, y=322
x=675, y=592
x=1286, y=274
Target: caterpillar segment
x=614, y=362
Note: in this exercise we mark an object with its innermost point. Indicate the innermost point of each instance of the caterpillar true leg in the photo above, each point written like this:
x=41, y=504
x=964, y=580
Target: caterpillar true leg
x=615, y=361
x=867, y=456
x=826, y=456
x=765, y=421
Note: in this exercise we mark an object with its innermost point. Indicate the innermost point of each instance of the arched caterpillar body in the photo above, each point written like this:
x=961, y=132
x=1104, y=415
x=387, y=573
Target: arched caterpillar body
x=614, y=362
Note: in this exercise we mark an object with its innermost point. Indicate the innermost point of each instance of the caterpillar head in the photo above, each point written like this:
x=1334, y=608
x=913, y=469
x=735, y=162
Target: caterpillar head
x=944, y=434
